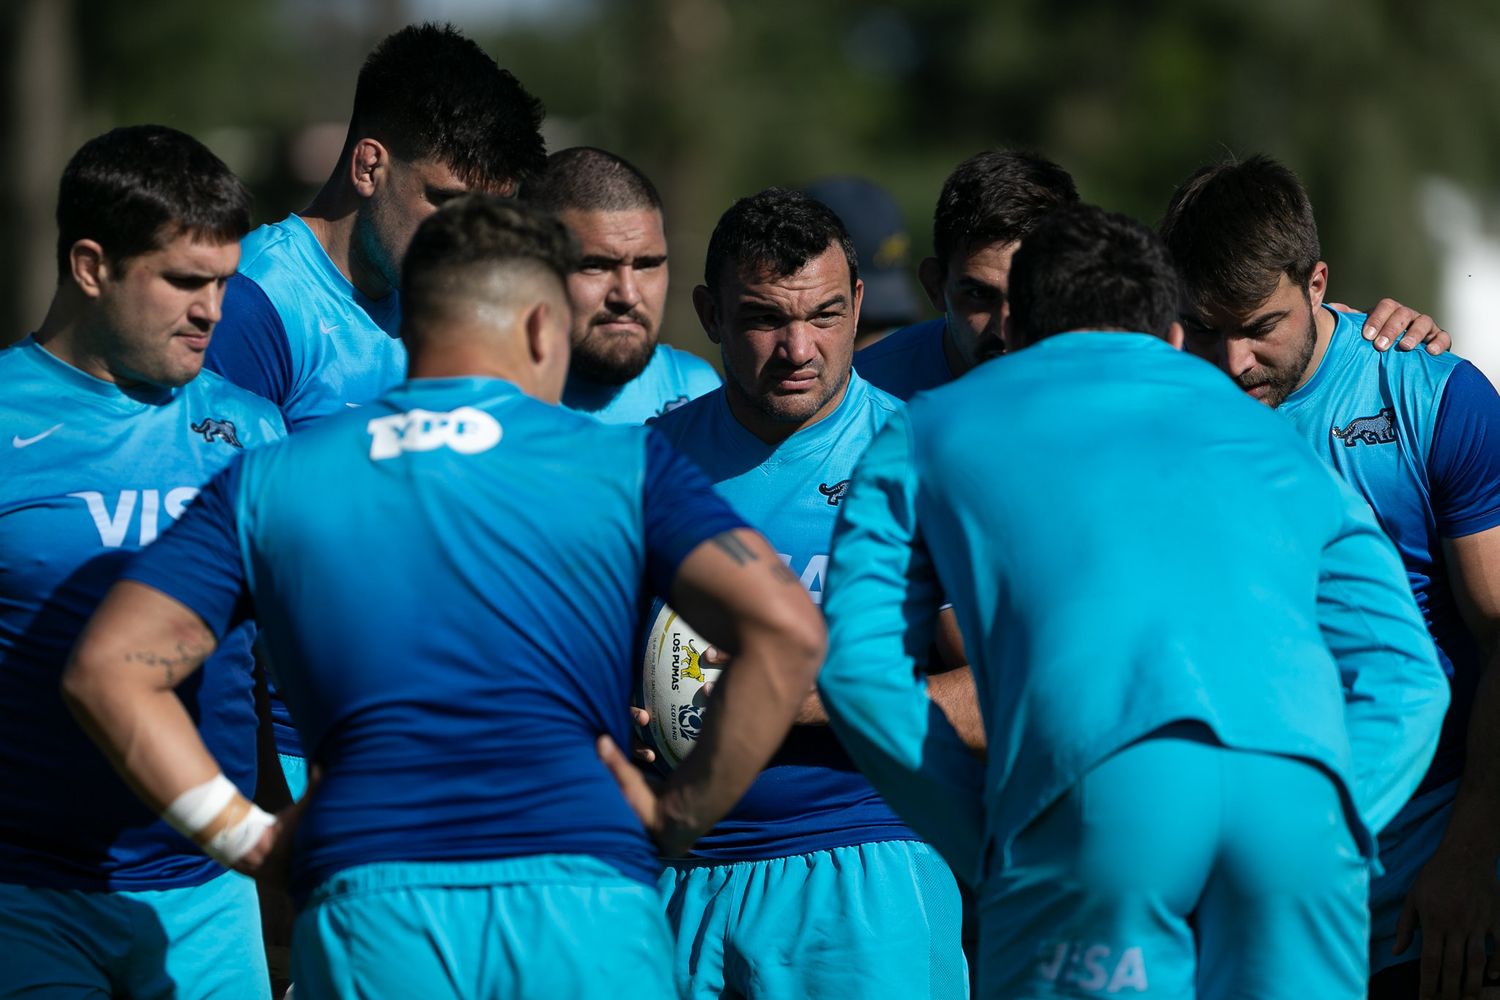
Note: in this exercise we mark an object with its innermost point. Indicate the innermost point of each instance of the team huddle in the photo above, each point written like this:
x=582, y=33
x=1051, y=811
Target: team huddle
x=1050, y=662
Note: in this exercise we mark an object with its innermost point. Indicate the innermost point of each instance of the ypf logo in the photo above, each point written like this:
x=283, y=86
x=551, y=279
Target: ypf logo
x=465, y=430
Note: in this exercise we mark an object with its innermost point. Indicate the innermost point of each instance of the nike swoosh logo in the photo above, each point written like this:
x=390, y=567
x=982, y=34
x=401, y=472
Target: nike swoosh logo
x=326, y=328
x=19, y=442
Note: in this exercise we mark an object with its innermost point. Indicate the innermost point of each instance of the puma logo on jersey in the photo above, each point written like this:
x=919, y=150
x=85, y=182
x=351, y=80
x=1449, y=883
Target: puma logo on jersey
x=215, y=429
x=17, y=441
x=114, y=520
x=1379, y=429
x=672, y=404
x=465, y=430
x=1093, y=968
x=834, y=493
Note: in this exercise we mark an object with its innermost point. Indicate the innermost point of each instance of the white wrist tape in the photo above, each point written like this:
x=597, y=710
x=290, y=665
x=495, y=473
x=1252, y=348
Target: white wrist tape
x=192, y=811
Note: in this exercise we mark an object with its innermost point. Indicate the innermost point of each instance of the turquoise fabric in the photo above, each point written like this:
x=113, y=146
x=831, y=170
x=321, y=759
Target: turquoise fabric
x=168, y=944
x=543, y=927
x=868, y=922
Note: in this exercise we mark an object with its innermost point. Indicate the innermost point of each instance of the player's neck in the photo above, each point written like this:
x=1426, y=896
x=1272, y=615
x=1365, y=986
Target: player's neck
x=66, y=335
x=332, y=218
x=754, y=420
x=1324, y=323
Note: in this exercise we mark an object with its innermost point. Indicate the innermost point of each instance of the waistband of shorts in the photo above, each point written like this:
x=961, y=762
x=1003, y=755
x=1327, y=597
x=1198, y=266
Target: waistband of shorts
x=565, y=869
x=902, y=845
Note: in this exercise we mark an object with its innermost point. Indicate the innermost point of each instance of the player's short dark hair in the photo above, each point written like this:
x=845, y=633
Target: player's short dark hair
x=588, y=179
x=1235, y=228
x=775, y=232
x=1083, y=268
x=996, y=197
x=480, y=229
x=134, y=189
x=429, y=93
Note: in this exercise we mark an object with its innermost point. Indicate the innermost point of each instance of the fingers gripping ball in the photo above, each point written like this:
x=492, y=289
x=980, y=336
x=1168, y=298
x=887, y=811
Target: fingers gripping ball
x=673, y=679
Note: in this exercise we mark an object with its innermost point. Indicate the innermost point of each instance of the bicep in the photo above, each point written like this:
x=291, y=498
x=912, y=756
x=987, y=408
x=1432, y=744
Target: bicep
x=735, y=580
x=143, y=637
x=1474, y=571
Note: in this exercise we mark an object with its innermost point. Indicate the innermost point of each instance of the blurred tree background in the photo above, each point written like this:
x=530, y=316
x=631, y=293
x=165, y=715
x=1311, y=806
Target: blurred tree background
x=1384, y=108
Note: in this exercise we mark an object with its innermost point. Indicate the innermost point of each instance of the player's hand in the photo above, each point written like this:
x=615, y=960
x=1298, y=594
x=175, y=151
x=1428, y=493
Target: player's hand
x=1456, y=902
x=639, y=750
x=1391, y=323
x=644, y=797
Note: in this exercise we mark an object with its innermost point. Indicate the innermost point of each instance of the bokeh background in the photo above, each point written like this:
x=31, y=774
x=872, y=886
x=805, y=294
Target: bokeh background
x=1387, y=109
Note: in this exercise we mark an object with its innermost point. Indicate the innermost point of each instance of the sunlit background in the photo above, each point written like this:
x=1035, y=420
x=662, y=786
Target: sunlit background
x=1386, y=109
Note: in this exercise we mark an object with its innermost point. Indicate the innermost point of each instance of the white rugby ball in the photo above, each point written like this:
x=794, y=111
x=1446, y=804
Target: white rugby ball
x=672, y=677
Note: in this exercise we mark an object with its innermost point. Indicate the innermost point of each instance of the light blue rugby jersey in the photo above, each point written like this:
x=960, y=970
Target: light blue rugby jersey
x=297, y=332
x=1128, y=541
x=90, y=473
x=449, y=586
x=670, y=379
x=1419, y=437
x=907, y=361
x=810, y=797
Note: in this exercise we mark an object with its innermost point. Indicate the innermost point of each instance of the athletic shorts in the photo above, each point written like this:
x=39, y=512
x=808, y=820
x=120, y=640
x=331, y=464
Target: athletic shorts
x=1180, y=868
x=871, y=921
x=171, y=944
x=294, y=769
x=543, y=927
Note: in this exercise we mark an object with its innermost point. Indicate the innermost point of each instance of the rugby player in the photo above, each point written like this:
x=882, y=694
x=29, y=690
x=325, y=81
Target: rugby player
x=464, y=838
x=311, y=321
x=109, y=431
x=1419, y=437
x=810, y=887
x=1196, y=719
x=620, y=372
x=987, y=205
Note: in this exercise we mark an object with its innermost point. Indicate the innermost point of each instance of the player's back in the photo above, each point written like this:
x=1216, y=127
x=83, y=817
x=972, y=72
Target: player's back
x=907, y=361
x=1128, y=541
x=454, y=636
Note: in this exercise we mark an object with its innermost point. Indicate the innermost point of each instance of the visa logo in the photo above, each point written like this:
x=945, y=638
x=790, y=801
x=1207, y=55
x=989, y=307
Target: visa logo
x=115, y=520
x=811, y=575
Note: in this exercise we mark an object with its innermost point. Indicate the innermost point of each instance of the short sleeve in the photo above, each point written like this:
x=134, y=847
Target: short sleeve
x=249, y=345
x=1463, y=465
x=197, y=560
x=682, y=510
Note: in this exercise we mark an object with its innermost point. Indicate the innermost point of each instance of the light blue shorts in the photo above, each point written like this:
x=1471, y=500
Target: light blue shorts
x=548, y=926
x=871, y=921
x=294, y=769
x=1180, y=868
x=173, y=944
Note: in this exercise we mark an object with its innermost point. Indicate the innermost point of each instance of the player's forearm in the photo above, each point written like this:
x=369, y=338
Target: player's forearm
x=754, y=705
x=1475, y=824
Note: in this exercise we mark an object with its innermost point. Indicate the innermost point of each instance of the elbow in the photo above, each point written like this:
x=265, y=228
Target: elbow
x=794, y=629
x=79, y=685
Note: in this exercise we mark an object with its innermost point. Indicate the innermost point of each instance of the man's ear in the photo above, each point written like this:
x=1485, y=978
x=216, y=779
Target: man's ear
x=88, y=266
x=859, y=298
x=931, y=275
x=1176, y=335
x=539, y=346
x=1317, y=284
x=369, y=163
x=707, y=310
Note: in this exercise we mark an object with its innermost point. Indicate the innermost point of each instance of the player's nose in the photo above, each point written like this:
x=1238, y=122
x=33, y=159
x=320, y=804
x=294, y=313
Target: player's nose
x=1238, y=355
x=625, y=289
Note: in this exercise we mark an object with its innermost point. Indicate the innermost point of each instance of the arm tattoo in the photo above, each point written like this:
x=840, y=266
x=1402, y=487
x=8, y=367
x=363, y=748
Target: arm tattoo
x=186, y=656
x=736, y=549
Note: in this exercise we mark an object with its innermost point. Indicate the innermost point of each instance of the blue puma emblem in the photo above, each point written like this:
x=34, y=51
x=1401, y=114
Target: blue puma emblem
x=214, y=429
x=1379, y=429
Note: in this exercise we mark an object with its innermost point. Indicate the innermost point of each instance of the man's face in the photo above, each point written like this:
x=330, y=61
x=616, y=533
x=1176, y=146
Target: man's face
x=618, y=293
x=157, y=310
x=408, y=193
x=787, y=342
x=1267, y=349
x=970, y=288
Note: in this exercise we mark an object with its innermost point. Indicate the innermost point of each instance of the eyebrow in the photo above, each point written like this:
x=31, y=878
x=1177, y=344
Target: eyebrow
x=1265, y=319
x=610, y=263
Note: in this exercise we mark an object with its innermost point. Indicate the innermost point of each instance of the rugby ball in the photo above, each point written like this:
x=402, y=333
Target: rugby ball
x=672, y=677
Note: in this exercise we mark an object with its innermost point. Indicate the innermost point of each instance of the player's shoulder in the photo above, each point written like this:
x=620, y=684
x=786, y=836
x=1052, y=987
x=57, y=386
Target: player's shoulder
x=264, y=249
x=229, y=402
x=682, y=422
x=685, y=363
x=875, y=401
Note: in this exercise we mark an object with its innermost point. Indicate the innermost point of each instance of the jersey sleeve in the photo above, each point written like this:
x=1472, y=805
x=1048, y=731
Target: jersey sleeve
x=249, y=345
x=1463, y=465
x=197, y=560
x=1395, y=693
x=881, y=599
x=682, y=510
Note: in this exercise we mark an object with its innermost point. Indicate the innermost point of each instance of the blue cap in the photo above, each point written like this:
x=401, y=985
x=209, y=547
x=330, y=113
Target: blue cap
x=881, y=243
